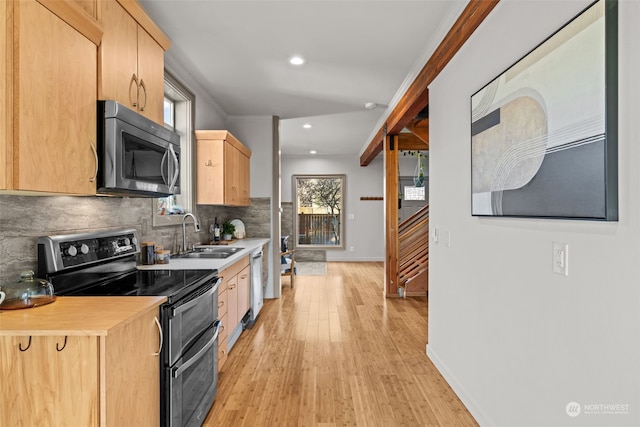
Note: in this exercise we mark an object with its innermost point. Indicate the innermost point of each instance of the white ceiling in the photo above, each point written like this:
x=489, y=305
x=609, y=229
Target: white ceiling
x=356, y=52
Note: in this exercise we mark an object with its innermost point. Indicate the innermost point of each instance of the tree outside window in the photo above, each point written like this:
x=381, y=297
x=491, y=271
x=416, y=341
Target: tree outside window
x=319, y=207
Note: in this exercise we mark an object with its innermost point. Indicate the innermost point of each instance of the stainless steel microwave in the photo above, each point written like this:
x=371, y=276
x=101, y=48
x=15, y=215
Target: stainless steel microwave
x=136, y=156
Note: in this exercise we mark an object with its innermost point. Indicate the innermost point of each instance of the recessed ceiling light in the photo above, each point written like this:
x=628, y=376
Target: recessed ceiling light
x=306, y=126
x=296, y=60
x=313, y=152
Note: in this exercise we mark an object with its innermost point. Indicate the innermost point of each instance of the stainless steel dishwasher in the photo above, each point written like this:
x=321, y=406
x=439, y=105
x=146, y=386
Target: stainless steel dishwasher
x=257, y=292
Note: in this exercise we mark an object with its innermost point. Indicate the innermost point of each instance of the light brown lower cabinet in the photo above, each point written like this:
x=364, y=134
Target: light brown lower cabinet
x=82, y=380
x=223, y=305
x=234, y=300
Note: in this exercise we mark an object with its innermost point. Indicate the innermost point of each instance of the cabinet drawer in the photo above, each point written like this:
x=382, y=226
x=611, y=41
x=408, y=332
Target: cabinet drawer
x=224, y=329
x=223, y=303
x=235, y=268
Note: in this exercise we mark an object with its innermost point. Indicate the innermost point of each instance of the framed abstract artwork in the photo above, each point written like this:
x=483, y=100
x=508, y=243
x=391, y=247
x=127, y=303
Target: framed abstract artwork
x=544, y=133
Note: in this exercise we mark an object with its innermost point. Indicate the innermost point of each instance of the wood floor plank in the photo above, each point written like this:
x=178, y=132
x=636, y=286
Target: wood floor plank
x=332, y=351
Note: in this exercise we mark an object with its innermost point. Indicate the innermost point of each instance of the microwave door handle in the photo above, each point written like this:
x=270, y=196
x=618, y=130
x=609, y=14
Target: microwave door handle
x=164, y=179
x=176, y=167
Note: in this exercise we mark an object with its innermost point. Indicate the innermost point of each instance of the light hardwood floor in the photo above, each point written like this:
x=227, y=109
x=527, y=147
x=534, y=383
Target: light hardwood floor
x=332, y=352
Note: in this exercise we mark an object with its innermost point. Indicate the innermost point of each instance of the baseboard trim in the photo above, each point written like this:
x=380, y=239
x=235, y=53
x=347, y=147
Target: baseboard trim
x=466, y=399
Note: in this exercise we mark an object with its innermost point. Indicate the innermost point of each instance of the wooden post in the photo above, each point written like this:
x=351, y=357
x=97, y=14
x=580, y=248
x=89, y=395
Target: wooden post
x=391, y=215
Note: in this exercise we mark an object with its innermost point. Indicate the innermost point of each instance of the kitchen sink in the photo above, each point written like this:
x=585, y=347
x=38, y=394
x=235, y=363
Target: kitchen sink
x=208, y=251
x=212, y=249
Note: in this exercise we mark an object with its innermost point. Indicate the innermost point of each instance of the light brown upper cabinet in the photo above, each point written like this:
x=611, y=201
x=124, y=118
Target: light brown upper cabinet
x=48, y=56
x=131, y=59
x=223, y=168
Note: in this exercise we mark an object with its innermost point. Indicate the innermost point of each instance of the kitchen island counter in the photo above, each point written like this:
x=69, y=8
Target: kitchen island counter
x=81, y=361
x=76, y=316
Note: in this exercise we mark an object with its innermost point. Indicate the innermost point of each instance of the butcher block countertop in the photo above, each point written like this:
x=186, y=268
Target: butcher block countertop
x=94, y=316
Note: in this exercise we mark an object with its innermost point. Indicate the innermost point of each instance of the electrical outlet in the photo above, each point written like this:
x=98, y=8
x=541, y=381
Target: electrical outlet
x=352, y=249
x=561, y=258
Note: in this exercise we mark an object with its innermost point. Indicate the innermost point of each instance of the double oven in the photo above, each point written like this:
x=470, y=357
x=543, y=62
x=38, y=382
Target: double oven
x=103, y=264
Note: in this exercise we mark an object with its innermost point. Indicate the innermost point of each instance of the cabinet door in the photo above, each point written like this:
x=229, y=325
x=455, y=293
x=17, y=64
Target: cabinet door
x=210, y=172
x=231, y=174
x=131, y=373
x=118, y=56
x=151, y=75
x=223, y=346
x=244, y=291
x=232, y=298
x=55, y=112
x=88, y=6
x=6, y=95
x=49, y=387
x=245, y=180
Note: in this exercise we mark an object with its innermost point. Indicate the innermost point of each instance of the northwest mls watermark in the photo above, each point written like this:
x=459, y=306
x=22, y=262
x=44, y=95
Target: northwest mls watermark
x=574, y=409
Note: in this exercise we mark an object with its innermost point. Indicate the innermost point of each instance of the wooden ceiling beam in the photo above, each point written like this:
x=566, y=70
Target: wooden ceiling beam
x=411, y=142
x=420, y=128
x=373, y=149
x=417, y=96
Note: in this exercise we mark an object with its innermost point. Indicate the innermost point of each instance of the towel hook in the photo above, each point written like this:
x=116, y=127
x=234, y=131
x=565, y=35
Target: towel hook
x=63, y=345
x=27, y=347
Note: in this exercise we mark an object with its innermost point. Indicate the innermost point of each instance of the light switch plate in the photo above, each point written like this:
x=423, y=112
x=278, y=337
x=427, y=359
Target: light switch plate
x=560, y=258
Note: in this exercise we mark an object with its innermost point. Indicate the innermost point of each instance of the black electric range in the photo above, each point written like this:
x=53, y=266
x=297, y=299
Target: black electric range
x=104, y=264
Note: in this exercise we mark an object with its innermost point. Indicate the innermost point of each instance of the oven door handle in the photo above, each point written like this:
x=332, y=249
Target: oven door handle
x=175, y=372
x=195, y=301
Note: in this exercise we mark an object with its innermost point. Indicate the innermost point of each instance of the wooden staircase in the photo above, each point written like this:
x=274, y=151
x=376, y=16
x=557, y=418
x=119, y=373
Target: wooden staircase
x=413, y=254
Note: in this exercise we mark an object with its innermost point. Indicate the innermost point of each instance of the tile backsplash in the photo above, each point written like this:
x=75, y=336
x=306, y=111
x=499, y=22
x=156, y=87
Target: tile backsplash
x=25, y=218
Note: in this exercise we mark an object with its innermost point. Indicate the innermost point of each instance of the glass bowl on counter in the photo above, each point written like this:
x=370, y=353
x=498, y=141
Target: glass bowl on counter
x=26, y=293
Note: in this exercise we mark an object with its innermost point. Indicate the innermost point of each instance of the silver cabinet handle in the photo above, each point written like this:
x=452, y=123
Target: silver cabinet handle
x=144, y=89
x=134, y=79
x=161, y=336
x=95, y=153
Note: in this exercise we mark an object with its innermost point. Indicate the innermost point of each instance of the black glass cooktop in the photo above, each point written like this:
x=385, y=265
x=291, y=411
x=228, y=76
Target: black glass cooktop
x=114, y=280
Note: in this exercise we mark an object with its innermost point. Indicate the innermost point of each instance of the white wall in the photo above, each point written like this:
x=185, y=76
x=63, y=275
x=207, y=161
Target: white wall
x=366, y=231
x=516, y=341
x=209, y=115
x=256, y=133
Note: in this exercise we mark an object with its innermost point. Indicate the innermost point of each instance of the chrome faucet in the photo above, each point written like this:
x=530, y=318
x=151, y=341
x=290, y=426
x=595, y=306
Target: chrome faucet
x=196, y=225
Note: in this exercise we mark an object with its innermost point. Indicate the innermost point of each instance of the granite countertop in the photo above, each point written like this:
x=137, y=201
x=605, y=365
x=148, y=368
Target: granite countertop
x=249, y=246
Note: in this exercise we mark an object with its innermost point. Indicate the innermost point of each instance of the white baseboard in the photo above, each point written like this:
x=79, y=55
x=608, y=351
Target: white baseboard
x=470, y=404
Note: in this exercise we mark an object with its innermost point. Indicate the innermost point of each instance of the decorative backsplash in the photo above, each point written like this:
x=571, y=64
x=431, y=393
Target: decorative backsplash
x=25, y=218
